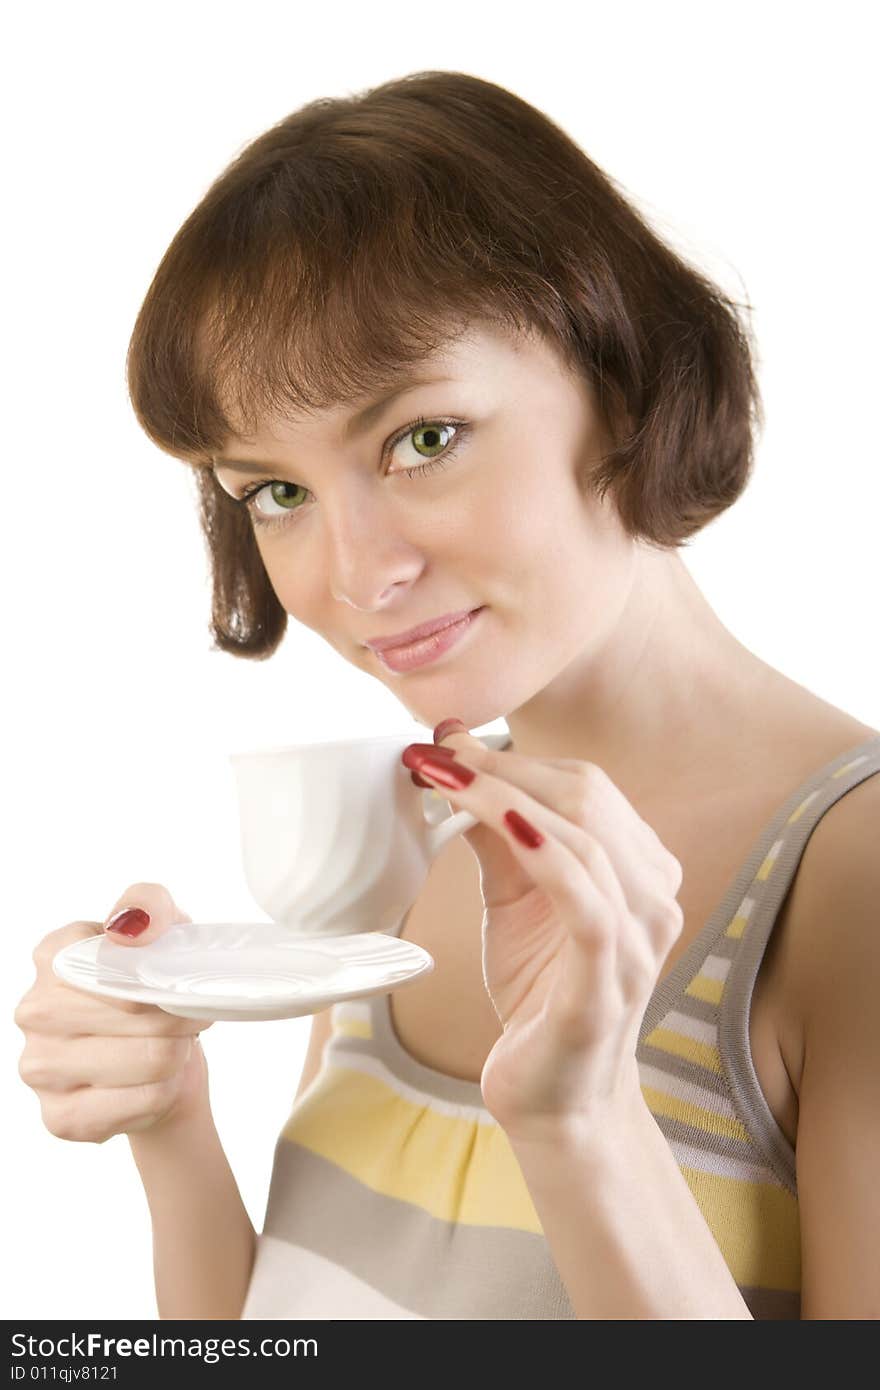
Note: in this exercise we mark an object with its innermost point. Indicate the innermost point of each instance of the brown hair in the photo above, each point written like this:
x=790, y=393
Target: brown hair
x=359, y=235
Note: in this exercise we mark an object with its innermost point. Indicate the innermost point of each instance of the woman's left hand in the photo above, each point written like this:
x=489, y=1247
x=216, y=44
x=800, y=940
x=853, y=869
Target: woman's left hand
x=575, y=929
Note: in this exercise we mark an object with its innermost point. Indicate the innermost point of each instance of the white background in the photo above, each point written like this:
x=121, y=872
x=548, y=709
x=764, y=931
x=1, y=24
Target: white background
x=745, y=132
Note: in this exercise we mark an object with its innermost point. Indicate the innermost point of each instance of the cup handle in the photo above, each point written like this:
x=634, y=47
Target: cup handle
x=440, y=832
x=440, y=835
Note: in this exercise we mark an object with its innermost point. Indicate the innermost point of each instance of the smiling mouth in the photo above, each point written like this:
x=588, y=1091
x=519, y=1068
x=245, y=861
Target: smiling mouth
x=426, y=649
x=415, y=634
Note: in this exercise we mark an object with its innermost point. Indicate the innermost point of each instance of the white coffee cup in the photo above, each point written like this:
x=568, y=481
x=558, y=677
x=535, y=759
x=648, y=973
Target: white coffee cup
x=336, y=837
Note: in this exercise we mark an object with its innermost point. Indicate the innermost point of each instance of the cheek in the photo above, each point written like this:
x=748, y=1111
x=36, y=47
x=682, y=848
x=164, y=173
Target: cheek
x=570, y=556
x=542, y=528
x=521, y=520
x=294, y=583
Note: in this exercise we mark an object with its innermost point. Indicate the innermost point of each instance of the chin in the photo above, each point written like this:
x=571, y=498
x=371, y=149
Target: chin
x=473, y=716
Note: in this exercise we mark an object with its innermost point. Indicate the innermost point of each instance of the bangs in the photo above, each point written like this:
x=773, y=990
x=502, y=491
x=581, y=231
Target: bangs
x=290, y=347
x=306, y=288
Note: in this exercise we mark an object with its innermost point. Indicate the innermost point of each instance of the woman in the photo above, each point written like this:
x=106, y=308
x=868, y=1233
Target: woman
x=426, y=362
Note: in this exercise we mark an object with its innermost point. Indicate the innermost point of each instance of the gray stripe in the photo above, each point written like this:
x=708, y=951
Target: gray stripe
x=437, y=1270
x=428, y=1265
x=400, y=1064
x=771, y=1304
x=386, y=1045
x=722, y=1145
x=692, y=1007
x=673, y=1128
x=724, y=946
x=682, y=1069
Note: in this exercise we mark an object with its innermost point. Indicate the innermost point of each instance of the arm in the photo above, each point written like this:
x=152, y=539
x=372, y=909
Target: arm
x=204, y=1242
x=622, y=1225
x=620, y=1196
x=838, y=1141
x=626, y=1234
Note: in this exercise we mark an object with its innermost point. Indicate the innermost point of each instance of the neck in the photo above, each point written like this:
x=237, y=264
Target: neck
x=667, y=695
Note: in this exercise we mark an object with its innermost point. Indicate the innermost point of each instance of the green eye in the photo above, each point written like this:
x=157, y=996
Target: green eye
x=279, y=485
x=276, y=486
x=434, y=429
x=431, y=429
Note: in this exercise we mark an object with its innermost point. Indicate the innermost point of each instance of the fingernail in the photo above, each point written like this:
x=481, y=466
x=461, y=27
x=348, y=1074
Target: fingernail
x=131, y=921
x=413, y=754
x=447, y=772
x=446, y=726
x=523, y=830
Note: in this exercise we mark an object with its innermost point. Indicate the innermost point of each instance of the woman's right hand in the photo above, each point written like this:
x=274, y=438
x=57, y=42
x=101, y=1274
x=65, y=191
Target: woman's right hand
x=109, y=1066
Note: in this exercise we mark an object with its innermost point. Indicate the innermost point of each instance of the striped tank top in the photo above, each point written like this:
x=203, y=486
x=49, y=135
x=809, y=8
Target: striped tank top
x=395, y=1194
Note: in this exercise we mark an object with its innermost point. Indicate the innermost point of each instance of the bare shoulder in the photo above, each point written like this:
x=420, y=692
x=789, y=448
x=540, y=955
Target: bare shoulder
x=835, y=965
x=835, y=900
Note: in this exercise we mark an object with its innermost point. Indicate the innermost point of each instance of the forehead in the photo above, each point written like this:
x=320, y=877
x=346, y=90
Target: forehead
x=486, y=355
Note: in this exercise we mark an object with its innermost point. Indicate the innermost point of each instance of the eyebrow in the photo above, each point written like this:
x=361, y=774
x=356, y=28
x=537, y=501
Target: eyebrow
x=356, y=425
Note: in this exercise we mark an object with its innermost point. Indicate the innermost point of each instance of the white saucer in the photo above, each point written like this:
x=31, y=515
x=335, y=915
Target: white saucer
x=232, y=971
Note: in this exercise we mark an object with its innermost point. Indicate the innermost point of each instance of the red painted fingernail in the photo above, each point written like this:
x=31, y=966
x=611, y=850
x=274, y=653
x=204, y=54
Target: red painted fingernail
x=414, y=754
x=420, y=781
x=447, y=772
x=131, y=921
x=446, y=726
x=524, y=831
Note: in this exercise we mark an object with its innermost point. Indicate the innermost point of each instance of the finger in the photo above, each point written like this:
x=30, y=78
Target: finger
x=626, y=863
x=536, y=775
x=143, y=913
x=90, y=1061
x=570, y=868
x=490, y=799
x=92, y=1114
x=590, y=799
x=60, y=1010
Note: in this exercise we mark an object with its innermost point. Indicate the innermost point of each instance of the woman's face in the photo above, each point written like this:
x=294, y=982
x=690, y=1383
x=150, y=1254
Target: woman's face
x=358, y=549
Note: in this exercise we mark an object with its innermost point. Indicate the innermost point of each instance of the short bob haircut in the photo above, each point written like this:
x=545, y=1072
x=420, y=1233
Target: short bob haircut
x=359, y=235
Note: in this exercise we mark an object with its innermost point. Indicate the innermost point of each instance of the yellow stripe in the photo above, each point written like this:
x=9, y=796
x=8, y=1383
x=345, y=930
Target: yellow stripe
x=756, y=1227
x=764, y=871
x=679, y=1108
x=842, y=771
x=461, y=1170
x=703, y=1054
x=737, y=926
x=704, y=987
x=352, y=1028
x=455, y=1168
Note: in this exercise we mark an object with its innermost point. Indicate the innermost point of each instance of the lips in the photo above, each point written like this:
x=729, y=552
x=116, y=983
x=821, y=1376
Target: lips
x=425, y=650
x=402, y=639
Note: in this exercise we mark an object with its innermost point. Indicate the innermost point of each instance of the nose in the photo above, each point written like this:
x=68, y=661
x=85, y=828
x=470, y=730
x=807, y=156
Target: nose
x=369, y=557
